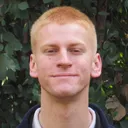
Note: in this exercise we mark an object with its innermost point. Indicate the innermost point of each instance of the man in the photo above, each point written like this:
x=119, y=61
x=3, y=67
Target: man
x=64, y=59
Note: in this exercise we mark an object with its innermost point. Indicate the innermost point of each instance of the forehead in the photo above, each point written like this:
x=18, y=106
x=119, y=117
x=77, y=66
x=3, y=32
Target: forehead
x=62, y=32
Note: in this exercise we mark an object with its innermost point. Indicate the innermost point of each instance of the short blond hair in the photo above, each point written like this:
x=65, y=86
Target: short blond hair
x=62, y=15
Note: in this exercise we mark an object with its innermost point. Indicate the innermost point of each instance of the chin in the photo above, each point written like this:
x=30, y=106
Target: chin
x=63, y=94
x=65, y=91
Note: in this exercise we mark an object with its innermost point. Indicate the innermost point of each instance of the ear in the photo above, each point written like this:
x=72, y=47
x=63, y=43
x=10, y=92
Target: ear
x=96, y=66
x=33, y=67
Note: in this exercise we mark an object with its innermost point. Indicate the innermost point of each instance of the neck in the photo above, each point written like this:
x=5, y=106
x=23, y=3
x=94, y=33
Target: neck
x=64, y=112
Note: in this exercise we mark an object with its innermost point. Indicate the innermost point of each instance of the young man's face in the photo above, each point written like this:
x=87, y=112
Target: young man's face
x=64, y=59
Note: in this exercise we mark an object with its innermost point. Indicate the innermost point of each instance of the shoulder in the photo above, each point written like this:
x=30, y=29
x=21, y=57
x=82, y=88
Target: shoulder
x=27, y=120
x=101, y=118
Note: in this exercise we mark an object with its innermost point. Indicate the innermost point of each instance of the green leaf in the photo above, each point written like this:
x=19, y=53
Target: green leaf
x=2, y=74
x=126, y=3
x=125, y=78
x=2, y=9
x=106, y=45
x=87, y=3
x=3, y=22
x=124, y=124
x=112, y=50
x=8, y=36
x=120, y=10
x=26, y=27
x=7, y=63
x=47, y=1
x=1, y=113
x=17, y=116
x=23, y=5
x=9, y=49
x=17, y=45
x=91, y=90
x=25, y=61
x=35, y=92
x=23, y=14
x=57, y=2
x=8, y=89
x=13, y=43
x=1, y=38
x=10, y=64
x=26, y=48
x=24, y=107
x=11, y=75
x=110, y=60
x=20, y=88
x=4, y=125
x=1, y=47
x=114, y=33
x=16, y=63
x=77, y=4
x=14, y=10
x=103, y=13
x=33, y=3
x=1, y=2
x=2, y=66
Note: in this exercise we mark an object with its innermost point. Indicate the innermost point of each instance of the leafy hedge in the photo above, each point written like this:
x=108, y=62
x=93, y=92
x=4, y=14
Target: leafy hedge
x=18, y=91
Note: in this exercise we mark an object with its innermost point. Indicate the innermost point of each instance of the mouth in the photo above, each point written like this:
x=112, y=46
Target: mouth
x=65, y=75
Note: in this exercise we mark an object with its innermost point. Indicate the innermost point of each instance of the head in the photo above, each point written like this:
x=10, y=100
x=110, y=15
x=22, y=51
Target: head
x=64, y=54
x=63, y=15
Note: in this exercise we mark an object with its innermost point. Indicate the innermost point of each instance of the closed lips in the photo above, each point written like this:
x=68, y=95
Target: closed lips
x=64, y=75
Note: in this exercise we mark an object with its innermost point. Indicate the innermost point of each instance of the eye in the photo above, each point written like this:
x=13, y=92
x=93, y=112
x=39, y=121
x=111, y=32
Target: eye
x=76, y=50
x=50, y=51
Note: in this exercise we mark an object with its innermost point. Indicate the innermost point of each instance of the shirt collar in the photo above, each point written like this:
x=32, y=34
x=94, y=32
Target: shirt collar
x=36, y=123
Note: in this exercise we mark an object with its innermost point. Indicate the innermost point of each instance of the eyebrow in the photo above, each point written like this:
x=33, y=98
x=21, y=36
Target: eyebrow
x=76, y=44
x=49, y=45
x=45, y=46
x=71, y=44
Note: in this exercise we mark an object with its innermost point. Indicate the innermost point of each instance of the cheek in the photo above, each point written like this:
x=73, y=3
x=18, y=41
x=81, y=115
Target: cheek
x=85, y=74
x=44, y=65
x=84, y=67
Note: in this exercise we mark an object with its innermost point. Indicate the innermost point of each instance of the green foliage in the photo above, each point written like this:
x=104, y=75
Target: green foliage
x=18, y=91
x=23, y=6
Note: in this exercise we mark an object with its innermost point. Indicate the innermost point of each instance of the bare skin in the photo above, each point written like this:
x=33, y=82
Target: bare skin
x=64, y=62
x=65, y=113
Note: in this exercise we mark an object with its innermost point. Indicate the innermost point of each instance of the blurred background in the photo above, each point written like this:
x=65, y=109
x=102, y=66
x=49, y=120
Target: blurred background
x=19, y=92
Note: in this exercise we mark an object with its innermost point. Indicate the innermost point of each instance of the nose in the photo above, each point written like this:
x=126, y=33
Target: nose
x=64, y=61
